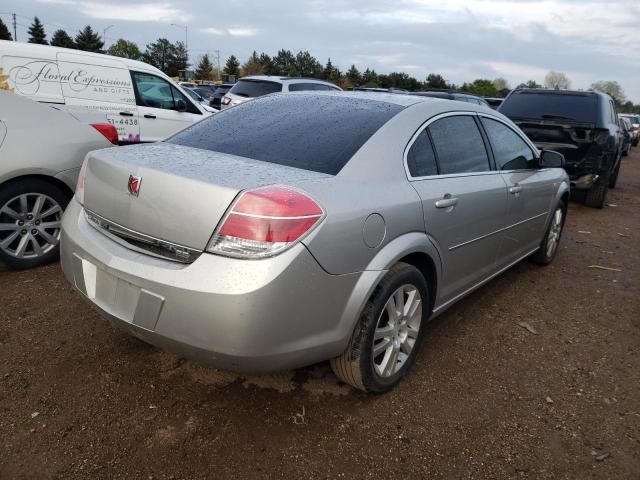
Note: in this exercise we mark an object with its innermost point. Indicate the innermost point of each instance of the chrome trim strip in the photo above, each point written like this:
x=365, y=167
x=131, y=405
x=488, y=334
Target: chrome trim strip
x=497, y=231
x=440, y=308
x=150, y=245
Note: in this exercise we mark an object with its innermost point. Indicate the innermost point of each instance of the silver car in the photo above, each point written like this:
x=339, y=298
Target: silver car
x=41, y=152
x=299, y=228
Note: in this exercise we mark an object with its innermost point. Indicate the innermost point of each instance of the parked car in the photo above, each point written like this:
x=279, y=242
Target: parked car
x=188, y=84
x=451, y=95
x=256, y=86
x=140, y=101
x=634, y=119
x=195, y=96
x=583, y=126
x=494, y=102
x=627, y=135
x=380, y=90
x=205, y=91
x=298, y=228
x=218, y=93
x=41, y=151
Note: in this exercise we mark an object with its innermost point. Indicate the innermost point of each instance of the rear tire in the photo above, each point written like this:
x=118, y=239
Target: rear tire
x=551, y=241
x=30, y=222
x=384, y=344
x=597, y=195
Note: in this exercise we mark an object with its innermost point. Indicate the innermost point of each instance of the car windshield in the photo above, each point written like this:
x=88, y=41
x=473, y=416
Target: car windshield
x=311, y=132
x=255, y=88
x=551, y=106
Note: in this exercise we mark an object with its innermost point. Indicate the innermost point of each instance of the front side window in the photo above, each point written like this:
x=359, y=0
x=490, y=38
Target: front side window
x=459, y=145
x=510, y=151
x=156, y=92
x=421, y=159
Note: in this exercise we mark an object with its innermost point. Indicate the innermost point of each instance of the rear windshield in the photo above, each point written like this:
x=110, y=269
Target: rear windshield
x=551, y=106
x=313, y=132
x=255, y=88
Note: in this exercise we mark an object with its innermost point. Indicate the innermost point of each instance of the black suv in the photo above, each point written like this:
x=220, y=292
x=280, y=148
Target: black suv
x=582, y=126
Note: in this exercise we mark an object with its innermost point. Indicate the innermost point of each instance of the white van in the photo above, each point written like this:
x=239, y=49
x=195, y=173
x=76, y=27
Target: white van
x=140, y=101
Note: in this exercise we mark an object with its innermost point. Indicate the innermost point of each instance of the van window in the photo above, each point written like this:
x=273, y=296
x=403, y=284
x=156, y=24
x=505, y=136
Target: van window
x=156, y=92
x=459, y=145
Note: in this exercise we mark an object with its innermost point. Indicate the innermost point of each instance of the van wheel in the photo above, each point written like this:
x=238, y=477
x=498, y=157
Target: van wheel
x=597, y=195
x=30, y=222
x=549, y=246
x=386, y=339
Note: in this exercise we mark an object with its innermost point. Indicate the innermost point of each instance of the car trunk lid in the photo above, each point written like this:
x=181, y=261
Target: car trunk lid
x=183, y=192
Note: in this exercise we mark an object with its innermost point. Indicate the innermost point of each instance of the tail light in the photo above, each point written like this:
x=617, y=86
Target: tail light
x=264, y=222
x=81, y=178
x=226, y=101
x=108, y=130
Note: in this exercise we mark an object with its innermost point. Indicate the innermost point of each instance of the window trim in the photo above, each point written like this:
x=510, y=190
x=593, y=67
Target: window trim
x=534, y=149
x=425, y=125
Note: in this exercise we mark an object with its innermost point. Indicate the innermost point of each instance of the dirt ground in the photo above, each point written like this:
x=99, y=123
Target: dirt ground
x=487, y=397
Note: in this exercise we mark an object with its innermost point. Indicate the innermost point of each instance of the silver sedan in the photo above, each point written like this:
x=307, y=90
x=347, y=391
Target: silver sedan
x=304, y=227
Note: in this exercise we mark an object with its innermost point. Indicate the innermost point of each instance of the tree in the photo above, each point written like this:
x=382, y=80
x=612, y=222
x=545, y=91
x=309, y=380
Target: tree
x=159, y=54
x=370, y=78
x=253, y=66
x=354, y=76
x=402, y=80
x=502, y=86
x=267, y=64
x=179, y=60
x=611, y=88
x=232, y=67
x=307, y=65
x=435, y=80
x=37, y=33
x=5, y=34
x=62, y=39
x=204, y=70
x=557, y=81
x=284, y=63
x=331, y=73
x=529, y=84
x=126, y=49
x=88, y=40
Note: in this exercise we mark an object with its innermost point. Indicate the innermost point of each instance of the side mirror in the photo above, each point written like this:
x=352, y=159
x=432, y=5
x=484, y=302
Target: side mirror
x=181, y=105
x=551, y=159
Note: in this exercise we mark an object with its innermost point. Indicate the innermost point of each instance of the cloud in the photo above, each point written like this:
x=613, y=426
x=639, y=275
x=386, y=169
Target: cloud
x=141, y=12
x=232, y=31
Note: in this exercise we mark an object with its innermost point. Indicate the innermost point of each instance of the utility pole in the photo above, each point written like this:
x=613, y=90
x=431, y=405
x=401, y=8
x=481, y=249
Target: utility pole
x=218, y=61
x=15, y=30
x=104, y=35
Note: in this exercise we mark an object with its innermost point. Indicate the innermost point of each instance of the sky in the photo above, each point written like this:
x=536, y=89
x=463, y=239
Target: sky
x=589, y=40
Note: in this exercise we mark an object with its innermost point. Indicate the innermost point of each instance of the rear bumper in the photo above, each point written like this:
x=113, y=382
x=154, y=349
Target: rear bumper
x=250, y=316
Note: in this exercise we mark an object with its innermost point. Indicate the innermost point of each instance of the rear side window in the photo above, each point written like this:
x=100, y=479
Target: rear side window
x=510, y=151
x=300, y=87
x=421, y=159
x=459, y=145
x=313, y=132
x=581, y=108
x=255, y=88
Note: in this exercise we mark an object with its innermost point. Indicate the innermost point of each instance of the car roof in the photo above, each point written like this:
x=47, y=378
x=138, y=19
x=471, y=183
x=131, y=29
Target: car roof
x=280, y=79
x=551, y=91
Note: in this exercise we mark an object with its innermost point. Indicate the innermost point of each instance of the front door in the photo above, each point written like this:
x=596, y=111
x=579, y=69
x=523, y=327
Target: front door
x=464, y=201
x=159, y=109
x=530, y=190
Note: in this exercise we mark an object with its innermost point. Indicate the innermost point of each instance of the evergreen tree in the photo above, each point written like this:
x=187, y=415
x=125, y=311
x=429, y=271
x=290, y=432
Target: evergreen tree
x=306, y=65
x=36, y=32
x=126, y=49
x=435, y=80
x=331, y=73
x=232, y=67
x=284, y=63
x=267, y=64
x=179, y=60
x=62, y=39
x=354, y=76
x=370, y=78
x=5, y=34
x=159, y=54
x=253, y=66
x=88, y=40
x=204, y=70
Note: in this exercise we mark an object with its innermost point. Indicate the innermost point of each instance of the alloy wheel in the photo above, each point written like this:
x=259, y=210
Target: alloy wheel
x=554, y=232
x=397, y=330
x=30, y=225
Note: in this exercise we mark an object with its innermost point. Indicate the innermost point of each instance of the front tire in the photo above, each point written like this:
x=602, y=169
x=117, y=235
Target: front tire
x=386, y=339
x=30, y=222
x=549, y=246
x=597, y=195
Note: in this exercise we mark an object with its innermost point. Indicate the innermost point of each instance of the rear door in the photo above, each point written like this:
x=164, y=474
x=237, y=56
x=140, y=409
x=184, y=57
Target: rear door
x=464, y=200
x=530, y=189
x=158, y=106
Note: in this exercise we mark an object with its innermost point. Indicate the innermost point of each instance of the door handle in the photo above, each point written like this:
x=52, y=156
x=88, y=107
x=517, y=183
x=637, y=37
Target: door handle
x=148, y=115
x=446, y=202
x=516, y=189
x=126, y=114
